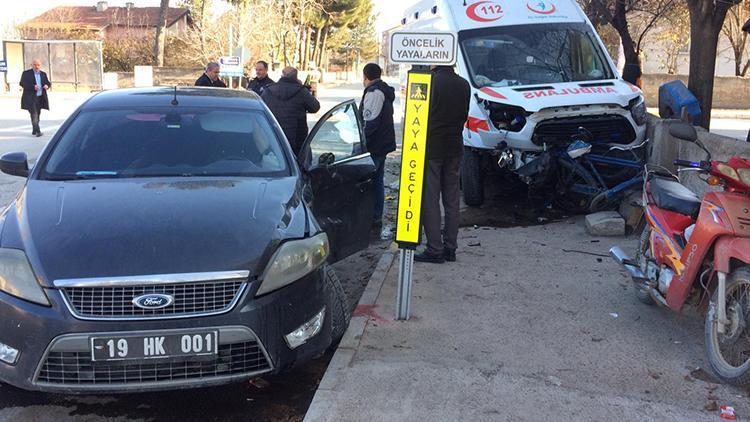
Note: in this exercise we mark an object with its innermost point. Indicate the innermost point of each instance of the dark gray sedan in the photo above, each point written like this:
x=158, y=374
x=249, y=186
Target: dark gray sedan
x=168, y=238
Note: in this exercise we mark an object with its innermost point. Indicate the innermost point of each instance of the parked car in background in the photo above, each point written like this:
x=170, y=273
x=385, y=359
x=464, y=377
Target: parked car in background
x=168, y=238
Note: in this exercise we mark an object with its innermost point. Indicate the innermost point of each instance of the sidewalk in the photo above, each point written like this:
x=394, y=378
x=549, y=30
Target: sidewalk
x=518, y=329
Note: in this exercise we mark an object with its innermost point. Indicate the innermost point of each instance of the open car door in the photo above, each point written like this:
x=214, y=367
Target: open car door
x=341, y=174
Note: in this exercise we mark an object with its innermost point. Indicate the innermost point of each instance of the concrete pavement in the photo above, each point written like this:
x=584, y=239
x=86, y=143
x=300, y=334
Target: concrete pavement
x=531, y=323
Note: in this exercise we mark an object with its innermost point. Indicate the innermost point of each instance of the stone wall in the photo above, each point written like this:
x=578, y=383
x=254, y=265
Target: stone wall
x=729, y=91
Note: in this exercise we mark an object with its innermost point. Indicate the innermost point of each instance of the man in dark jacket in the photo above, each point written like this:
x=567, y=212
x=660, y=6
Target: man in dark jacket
x=449, y=109
x=290, y=101
x=211, y=77
x=377, y=113
x=261, y=80
x=34, y=98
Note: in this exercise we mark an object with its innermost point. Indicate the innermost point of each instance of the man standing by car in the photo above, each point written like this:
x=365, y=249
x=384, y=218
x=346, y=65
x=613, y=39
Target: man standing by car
x=290, y=101
x=377, y=113
x=34, y=98
x=449, y=109
x=211, y=77
x=261, y=80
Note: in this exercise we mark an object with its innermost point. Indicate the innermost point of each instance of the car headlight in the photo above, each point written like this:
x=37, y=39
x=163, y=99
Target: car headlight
x=294, y=260
x=17, y=278
x=638, y=111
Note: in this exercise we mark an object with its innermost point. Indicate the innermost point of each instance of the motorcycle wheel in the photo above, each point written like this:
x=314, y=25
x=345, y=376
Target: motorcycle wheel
x=642, y=254
x=571, y=174
x=729, y=353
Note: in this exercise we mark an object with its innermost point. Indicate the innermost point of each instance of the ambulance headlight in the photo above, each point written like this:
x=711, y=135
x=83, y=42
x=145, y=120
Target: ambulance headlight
x=506, y=117
x=638, y=111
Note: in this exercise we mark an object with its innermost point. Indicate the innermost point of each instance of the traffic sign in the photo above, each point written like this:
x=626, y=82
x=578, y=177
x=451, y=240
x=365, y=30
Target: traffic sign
x=413, y=163
x=3, y=66
x=423, y=48
x=413, y=159
x=230, y=66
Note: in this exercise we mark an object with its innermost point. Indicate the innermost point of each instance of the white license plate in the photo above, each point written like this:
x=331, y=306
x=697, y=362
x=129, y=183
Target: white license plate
x=154, y=346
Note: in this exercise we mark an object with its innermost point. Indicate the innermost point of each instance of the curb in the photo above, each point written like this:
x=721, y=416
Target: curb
x=350, y=342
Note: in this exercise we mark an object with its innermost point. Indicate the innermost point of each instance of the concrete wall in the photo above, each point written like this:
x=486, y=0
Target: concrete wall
x=729, y=92
x=665, y=148
x=162, y=76
x=654, y=57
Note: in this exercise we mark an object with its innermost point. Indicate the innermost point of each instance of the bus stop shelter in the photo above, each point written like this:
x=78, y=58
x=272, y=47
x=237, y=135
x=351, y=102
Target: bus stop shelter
x=71, y=65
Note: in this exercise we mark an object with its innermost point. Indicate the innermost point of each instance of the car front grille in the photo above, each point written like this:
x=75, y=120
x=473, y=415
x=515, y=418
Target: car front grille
x=605, y=128
x=77, y=368
x=190, y=299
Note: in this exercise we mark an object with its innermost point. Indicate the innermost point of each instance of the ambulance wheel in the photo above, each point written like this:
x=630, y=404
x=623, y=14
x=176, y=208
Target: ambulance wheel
x=472, y=178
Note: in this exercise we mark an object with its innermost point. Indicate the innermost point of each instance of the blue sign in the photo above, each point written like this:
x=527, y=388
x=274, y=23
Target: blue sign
x=3, y=66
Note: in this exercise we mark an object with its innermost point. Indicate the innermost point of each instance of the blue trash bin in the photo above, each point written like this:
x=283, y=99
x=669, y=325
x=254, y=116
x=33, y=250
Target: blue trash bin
x=673, y=96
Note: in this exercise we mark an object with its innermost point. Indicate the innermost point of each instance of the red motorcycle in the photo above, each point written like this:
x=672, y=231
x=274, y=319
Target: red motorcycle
x=698, y=251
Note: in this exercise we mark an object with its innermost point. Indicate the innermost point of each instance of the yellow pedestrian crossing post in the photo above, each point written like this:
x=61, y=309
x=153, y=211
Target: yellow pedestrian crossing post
x=416, y=48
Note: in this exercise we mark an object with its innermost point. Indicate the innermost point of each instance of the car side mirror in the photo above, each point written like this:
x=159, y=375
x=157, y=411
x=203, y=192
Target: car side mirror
x=326, y=159
x=684, y=131
x=15, y=164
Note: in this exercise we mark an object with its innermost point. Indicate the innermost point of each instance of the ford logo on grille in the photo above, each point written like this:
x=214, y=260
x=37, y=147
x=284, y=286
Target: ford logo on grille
x=153, y=301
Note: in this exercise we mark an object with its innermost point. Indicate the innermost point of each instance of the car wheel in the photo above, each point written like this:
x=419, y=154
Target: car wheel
x=472, y=180
x=340, y=315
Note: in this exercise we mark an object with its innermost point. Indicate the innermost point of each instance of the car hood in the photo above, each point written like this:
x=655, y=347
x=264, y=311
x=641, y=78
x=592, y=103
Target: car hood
x=535, y=98
x=101, y=228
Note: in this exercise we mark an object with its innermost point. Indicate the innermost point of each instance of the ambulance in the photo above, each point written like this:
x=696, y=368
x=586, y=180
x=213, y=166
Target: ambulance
x=538, y=72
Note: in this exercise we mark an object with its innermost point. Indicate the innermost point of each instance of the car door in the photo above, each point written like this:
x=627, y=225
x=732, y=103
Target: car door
x=340, y=173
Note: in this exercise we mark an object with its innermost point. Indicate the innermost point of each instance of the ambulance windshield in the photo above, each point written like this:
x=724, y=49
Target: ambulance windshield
x=533, y=54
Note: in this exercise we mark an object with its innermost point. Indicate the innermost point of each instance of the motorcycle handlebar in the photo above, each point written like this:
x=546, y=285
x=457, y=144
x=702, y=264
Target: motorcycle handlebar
x=704, y=165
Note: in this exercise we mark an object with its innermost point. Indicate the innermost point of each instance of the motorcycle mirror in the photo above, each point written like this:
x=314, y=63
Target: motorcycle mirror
x=684, y=131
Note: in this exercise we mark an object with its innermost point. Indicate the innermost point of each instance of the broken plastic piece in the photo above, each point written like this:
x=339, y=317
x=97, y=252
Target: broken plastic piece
x=727, y=413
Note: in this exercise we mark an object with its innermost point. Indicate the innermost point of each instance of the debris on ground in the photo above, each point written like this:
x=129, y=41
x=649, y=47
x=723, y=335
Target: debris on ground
x=711, y=406
x=614, y=314
x=585, y=253
x=554, y=381
x=727, y=413
x=654, y=375
x=475, y=244
x=606, y=223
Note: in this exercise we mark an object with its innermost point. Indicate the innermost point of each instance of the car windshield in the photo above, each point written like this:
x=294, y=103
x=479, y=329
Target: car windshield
x=533, y=54
x=165, y=142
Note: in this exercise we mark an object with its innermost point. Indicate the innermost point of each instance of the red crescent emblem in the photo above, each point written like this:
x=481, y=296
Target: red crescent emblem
x=542, y=12
x=471, y=12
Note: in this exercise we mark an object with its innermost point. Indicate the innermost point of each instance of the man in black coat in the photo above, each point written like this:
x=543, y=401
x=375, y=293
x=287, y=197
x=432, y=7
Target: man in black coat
x=290, y=101
x=211, y=77
x=261, y=80
x=380, y=135
x=449, y=109
x=34, y=98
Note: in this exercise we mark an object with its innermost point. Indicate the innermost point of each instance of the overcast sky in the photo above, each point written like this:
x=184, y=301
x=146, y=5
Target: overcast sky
x=18, y=11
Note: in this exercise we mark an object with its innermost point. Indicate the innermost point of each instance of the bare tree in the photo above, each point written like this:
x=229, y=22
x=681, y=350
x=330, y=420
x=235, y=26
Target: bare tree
x=706, y=20
x=161, y=29
x=736, y=17
x=632, y=19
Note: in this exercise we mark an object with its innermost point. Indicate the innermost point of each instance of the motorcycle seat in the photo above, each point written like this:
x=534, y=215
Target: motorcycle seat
x=670, y=195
